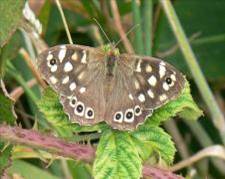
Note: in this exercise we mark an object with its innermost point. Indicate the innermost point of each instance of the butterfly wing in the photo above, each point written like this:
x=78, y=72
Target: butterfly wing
x=141, y=85
x=76, y=74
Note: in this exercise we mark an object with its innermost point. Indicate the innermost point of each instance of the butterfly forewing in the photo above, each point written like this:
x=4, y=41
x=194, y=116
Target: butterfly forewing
x=76, y=74
x=142, y=85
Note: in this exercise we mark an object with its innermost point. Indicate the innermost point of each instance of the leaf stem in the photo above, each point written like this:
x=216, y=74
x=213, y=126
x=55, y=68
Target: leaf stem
x=216, y=114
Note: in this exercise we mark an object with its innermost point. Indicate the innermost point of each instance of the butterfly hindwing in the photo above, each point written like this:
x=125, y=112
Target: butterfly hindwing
x=73, y=71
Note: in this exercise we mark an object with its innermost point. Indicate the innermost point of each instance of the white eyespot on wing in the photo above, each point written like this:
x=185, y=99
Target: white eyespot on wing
x=150, y=93
x=74, y=56
x=82, y=90
x=141, y=97
x=131, y=96
x=65, y=80
x=79, y=109
x=89, y=113
x=62, y=53
x=162, y=97
x=129, y=116
x=49, y=57
x=53, y=79
x=138, y=67
x=162, y=63
x=72, y=86
x=84, y=57
x=118, y=117
x=53, y=68
x=152, y=80
x=148, y=68
x=73, y=101
x=165, y=86
x=68, y=67
x=137, y=110
x=162, y=70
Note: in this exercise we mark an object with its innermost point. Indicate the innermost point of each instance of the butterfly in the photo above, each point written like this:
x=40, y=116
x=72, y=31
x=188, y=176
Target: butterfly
x=100, y=84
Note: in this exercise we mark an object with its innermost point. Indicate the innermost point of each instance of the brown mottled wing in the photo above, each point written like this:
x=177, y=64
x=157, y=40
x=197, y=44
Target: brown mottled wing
x=141, y=85
x=76, y=74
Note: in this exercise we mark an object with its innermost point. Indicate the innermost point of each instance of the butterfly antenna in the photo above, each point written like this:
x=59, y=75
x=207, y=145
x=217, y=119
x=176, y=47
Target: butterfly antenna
x=64, y=21
x=128, y=32
x=99, y=25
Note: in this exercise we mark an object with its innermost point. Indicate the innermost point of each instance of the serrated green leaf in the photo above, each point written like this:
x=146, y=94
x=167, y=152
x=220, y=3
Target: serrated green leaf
x=50, y=106
x=10, y=17
x=116, y=157
x=184, y=106
x=5, y=155
x=154, y=139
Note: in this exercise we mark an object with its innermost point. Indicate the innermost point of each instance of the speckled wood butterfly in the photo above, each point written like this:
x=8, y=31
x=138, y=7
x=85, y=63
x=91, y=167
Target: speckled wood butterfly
x=99, y=84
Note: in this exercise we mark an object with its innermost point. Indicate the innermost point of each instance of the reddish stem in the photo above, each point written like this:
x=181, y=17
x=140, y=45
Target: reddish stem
x=63, y=148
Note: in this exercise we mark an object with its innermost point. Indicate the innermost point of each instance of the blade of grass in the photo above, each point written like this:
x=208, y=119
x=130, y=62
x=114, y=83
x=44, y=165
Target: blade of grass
x=147, y=27
x=205, y=141
x=207, y=95
x=15, y=74
x=138, y=41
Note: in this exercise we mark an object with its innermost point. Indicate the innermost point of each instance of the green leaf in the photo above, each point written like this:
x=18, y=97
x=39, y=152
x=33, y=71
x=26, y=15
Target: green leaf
x=116, y=157
x=5, y=155
x=28, y=171
x=6, y=109
x=184, y=106
x=10, y=17
x=50, y=106
x=152, y=138
x=6, y=52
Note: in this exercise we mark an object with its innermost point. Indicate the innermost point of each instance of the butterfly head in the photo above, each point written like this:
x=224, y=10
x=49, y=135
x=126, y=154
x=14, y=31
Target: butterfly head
x=110, y=50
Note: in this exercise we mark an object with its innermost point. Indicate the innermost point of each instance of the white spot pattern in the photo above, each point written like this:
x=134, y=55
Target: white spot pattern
x=65, y=80
x=84, y=57
x=138, y=67
x=165, y=86
x=141, y=97
x=72, y=86
x=152, y=80
x=82, y=90
x=162, y=97
x=62, y=53
x=150, y=93
x=162, y=71
x=68, y=67
x=53, y=79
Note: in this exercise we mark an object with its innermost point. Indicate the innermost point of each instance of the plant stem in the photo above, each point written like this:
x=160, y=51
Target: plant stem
x=138, y=41
x=119, y=27
x=60, y=147
x=216, y=114
x=147, y=15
